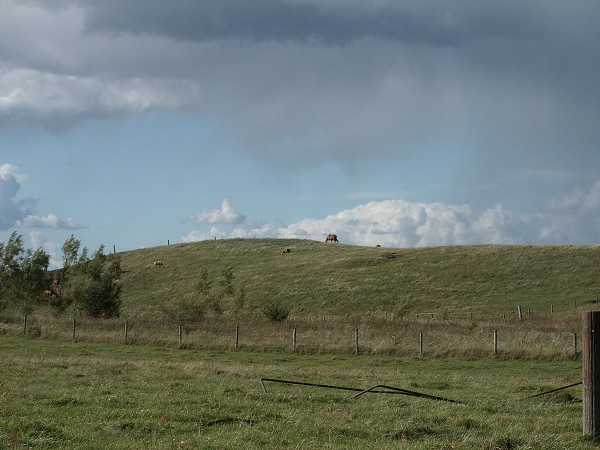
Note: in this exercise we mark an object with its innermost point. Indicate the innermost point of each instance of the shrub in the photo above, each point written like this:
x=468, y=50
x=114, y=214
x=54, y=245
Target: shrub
x=186, y=311
x=97, y=290
x=99, y=297
x=276, y=311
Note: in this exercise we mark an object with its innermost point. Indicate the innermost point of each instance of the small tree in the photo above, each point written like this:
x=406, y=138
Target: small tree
x=192, y=309
x=33, y=279
x=99, y=297
x=72, y=260
x=114, y=266
x=97, y=289
x=22, y=274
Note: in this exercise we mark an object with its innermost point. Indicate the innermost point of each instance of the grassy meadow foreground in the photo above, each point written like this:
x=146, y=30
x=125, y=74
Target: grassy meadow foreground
x=58, y=394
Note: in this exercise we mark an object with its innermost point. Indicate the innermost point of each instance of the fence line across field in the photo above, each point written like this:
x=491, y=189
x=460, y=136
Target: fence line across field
x=402, y=338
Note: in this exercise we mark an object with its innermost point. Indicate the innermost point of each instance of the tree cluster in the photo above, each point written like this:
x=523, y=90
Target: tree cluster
x=84, y=283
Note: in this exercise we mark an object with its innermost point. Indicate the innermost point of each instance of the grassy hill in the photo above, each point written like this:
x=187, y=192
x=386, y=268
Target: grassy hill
x=318, y=278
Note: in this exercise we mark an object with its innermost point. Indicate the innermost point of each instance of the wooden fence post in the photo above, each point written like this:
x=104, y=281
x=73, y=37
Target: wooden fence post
x=73, y=336
x=237, y=337
x=24, y=324
x=420, y=343
x=126, y=329
x=294, y=340
x=574, y=345
x=519, y=312
x=356, y=347
x=180, y=334
x=495, y=343
x=590, y=361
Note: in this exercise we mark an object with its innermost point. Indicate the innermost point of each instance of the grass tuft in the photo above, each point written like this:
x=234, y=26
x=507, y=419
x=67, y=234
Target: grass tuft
x=507, y=443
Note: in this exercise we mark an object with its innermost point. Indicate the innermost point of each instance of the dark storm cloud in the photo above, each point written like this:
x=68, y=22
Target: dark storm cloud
x=348, y=78
x=301, y=81
x=314, y=22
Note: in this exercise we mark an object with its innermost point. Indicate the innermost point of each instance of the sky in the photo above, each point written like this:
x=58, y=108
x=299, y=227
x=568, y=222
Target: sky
x=137, y=123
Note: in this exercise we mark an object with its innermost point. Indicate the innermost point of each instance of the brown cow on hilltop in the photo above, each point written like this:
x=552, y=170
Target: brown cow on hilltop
x=331, y=238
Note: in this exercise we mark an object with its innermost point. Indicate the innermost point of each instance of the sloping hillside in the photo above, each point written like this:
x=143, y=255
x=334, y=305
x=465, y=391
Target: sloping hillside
x=323, y=278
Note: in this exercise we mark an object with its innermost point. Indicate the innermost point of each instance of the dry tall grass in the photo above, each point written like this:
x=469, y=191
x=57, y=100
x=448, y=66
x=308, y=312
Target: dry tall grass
x=545, y=336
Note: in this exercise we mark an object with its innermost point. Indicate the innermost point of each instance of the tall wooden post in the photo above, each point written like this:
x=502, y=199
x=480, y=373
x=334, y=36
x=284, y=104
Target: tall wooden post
x=180, y=335
x=356, y=347
x=590, y=361
x=495, y=336
x=237, y=337
x=420, y=343
x=24, y=324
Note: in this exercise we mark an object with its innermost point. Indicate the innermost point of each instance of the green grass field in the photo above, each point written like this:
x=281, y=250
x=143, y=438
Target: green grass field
x=56, y=394
x=103, y=392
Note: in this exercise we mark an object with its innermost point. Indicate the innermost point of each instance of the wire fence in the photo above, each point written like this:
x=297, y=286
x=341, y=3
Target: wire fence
x=406, y=337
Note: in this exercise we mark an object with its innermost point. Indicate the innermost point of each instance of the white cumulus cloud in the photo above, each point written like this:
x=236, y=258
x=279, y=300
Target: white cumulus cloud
x=48, y=221
x=21, y=213
x=11, y=209
x=57, y=99
x=400, y=223
x=224, y=214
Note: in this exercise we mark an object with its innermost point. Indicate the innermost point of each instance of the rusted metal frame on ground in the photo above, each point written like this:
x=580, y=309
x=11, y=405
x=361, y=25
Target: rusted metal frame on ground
x=273, y=380
x=405, y=392
x=555, y=390
x=372, y=390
